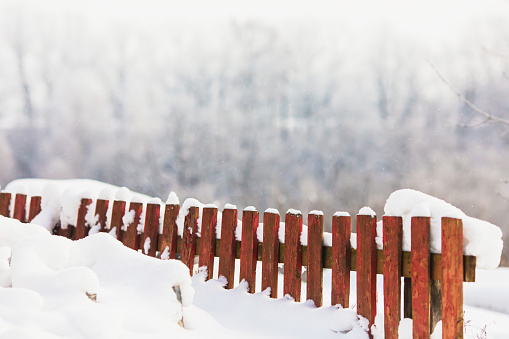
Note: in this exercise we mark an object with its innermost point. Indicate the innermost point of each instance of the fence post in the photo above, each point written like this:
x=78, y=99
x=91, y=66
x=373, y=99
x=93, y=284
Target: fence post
x=101, y=208
x=150, y=235
x=20, y=203
x=249, y=248
x=81, y=224
x=366, y=267
x=5, y=201
x=341, y=260
x=421, y=282
x=189, y=237
x=392, y=245
x=270, y=257
x=170, y=230
x=315, y=262
x=228, y=246
x=293, y=254
x=131, y=238
x=35, y=207
x=208, y=240
x=452, y=278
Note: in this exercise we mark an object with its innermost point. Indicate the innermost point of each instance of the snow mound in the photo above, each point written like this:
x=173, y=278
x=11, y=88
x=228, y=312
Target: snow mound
x=57, y=288
x=480, y=238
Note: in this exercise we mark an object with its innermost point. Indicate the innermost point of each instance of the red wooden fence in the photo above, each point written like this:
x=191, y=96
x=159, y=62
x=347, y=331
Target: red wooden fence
x=424, y=269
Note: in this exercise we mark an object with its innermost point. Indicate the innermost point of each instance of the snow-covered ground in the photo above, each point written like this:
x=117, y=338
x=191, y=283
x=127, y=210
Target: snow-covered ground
x=52, y=287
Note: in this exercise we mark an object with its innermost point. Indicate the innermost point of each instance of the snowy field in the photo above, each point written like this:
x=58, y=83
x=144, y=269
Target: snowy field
x=52, y=287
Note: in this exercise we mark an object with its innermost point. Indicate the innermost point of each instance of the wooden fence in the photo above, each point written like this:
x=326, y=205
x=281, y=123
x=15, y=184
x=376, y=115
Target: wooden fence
x=433, y=287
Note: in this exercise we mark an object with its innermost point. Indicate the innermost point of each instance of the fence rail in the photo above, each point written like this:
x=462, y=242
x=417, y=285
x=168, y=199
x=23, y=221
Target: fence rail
x=433, y=282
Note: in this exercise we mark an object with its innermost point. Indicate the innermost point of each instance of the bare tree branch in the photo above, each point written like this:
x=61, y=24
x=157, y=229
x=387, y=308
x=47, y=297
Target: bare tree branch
x=488, y=116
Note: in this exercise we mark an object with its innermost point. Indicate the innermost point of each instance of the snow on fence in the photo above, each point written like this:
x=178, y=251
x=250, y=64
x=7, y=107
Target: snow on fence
x=432, y=282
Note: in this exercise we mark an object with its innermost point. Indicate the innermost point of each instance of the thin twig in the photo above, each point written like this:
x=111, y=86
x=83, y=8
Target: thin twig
x=469, y=103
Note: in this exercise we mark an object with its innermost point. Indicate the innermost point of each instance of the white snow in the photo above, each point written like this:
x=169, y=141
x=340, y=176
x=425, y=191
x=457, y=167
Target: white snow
x=272, y=210
x=367, y=211
x=173, y=199
x=293, y=211
x=315, y=212
x=250, y=209
x=480, y=238
x=341, y=214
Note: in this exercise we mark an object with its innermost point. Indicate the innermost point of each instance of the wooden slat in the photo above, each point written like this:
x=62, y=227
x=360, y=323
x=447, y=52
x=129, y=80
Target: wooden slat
x=117, y=214
x=35, y=207
x=249, y=249
x=293, y=255
x=101, y=208
x=20, y=203
x=270, y=255
x=315, y=266
x=150, y=235
x=366, y=267
x=228, y=246
x=189, y=237
x=341, y=261
x=392, y=244
x=130, y=238
x=208, y=240
x=421, y=282
x=82, y=227
x=170, y=231
x=5, y=201
x=452, y=286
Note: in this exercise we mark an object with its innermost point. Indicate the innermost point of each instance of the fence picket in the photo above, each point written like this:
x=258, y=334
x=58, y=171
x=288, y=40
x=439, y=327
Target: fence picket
x=130, y=237
x=421, y=282
x=452, y=278
x=150, y=235
x=392, y=244
x=82, y=228
x=35, y=207
x=20, y=203
x=5, y=201
x=366, y=267
x=249, y=249
x=341, y=260
x=170, y=231
x=189, y=237
x=208, y=240
x=270, y=255
x=315, y=262
x=228, y=245
x=293, y=255
x=101, y=208
x=117, y=213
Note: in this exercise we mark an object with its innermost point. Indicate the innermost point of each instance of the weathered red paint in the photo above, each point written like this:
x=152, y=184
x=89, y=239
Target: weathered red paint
x=5, y=201
x=170, y=230
x=270, y=255
x=366, y=267
x=117, y=213
x=101, y=208
x=228, y=246
x=151, y=231
x=82, y=228
x=189, y=237
x=392, y=245
x=131, y=238
x=249, y=249
x=293, y=255
x=20, y=203
x=341, y=260
x=315, y=263
x=452, y=274
x=208, y=240
x=421, y=281
x=35, y=207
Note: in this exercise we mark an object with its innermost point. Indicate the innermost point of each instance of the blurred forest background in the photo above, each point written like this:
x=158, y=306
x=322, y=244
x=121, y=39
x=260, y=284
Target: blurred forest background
x=329, y=113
